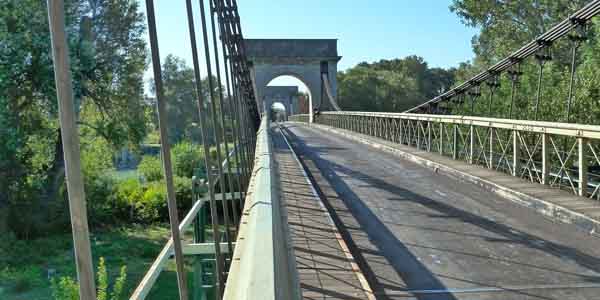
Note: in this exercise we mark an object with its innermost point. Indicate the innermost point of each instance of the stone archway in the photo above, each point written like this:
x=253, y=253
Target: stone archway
x=305, y=59
x=286, y=95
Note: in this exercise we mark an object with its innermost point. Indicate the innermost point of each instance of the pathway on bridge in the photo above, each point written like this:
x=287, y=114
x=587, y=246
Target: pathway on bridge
x=324, y=264
x=420, y=235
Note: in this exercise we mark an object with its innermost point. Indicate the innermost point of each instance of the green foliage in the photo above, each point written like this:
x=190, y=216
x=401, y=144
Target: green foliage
x=153, y=203
x=96, y=157
x=22, y=278
x=183, y=192
x=137, y=245
x=108, y=61
x=182, y=107
x=391, y=85
x=503, y=30
x=506, y=27
x=127, y=194
x=153, y=137
x=151, y=168
x=187, y=157
x=66, y=288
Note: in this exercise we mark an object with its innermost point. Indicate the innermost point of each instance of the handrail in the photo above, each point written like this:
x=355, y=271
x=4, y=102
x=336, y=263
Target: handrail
x=262, y=266
x=142, y=290
x=566, y=129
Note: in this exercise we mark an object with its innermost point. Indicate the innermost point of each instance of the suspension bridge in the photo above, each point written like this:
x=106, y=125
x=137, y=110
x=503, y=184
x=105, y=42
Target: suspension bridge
x=456, y=198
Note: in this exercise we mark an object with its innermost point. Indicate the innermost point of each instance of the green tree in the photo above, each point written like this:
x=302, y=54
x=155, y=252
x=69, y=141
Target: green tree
x=505, y=26
x=391, y=85
x=182, y=103
x=108, y=59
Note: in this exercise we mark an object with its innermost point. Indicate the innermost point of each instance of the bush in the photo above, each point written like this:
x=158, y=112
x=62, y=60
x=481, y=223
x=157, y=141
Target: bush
x=187, y=157
x=99, y=193
x=183, y=192
x=127, y=193
x=22, y=279
x=151, y=168
x=66, y=288
x=152, y=206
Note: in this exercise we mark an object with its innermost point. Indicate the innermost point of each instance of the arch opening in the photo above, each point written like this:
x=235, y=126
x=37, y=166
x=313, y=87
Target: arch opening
x=290, y=92
x=278, y=112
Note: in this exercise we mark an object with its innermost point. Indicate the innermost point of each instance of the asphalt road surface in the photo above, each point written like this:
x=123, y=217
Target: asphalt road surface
x=420, y=235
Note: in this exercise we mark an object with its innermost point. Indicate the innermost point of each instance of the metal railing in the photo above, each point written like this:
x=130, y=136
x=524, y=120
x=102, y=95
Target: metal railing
x=555, y=154
x=262, y=265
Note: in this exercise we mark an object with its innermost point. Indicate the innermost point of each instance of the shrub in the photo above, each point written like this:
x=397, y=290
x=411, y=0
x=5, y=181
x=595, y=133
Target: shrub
x=66, y=288
x=99, y=193
x=183, y=192
x=96, y=156
x=127, y=194
x=152, y=206
x=151, y=168
x=187, y=157
x=22, y=279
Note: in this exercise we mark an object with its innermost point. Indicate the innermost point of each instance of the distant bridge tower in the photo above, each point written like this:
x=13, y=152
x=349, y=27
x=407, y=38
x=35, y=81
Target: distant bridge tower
x=304, y=59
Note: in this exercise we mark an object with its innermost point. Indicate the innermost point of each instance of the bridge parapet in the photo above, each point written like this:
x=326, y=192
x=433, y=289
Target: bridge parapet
x=263, y=266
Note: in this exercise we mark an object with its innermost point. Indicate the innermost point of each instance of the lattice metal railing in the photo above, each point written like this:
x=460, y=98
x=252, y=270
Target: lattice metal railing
x=558, y=155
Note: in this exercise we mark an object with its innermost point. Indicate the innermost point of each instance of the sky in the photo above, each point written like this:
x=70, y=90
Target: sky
x=366, y=30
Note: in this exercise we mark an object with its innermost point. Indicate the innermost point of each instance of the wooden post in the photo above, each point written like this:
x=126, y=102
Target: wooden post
x=583, y=167
x=516, y=153
x=545, y=159
x=70, y=141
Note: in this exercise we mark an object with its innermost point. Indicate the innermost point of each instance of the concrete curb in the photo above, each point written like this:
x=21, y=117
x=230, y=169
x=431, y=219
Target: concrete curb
x=548, y=209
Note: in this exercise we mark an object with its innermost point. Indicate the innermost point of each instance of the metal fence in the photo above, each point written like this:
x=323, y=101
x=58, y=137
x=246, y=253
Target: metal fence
x=558, y=155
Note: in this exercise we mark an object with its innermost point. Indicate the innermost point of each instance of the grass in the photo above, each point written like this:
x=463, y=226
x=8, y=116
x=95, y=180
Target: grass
x=24, y=265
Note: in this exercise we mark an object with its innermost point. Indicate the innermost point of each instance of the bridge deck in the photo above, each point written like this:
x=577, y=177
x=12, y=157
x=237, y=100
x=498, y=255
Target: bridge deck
x=420, y=235
x=326, y=269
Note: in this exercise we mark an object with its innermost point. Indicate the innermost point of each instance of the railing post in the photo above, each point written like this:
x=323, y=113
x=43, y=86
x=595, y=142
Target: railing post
x=583, y=167
x=419, y=126
x=401, y=135
x=545, y=159
x=441, y=141
x=410, y=133
x=491, y=163
x=388, y=125
x=516, y=158
x=454, y=141
x=471, y=143
x=428, y=136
